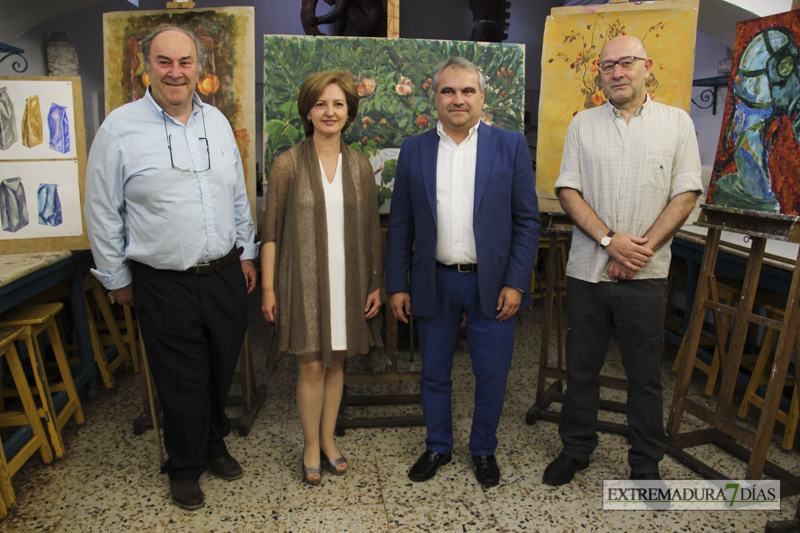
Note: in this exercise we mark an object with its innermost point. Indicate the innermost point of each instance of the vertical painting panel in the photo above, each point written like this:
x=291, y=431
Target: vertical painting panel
x=757, y=166
x=573, y=39
x=393, y=78
x=227, y=79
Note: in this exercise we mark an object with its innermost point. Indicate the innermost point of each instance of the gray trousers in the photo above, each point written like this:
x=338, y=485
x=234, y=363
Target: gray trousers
x=636, y=308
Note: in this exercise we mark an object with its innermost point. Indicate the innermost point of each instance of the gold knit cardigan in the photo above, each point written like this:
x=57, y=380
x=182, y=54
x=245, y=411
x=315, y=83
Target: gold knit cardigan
x=296, y=220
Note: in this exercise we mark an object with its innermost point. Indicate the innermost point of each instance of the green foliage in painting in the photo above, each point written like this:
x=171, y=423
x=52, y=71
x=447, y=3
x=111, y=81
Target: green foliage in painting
x=393, y=78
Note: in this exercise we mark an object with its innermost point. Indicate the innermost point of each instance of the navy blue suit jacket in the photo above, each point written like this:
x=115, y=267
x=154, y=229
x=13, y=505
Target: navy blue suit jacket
x=505, y=219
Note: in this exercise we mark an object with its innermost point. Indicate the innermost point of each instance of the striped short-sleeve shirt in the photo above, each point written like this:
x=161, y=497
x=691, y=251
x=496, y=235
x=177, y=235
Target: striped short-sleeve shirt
x=627, y=173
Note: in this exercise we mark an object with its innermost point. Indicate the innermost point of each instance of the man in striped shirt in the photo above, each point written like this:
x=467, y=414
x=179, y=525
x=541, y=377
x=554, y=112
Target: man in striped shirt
x=630, y=175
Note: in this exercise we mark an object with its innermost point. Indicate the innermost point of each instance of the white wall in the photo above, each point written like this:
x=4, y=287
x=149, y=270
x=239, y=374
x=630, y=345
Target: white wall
x=34, y=54
x=708, y=51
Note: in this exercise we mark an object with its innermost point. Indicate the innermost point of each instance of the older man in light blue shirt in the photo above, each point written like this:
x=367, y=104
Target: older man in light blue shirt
x=170, y=229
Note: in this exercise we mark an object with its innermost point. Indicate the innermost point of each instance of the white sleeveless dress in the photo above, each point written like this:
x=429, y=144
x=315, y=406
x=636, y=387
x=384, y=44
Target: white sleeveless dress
x=334, y=208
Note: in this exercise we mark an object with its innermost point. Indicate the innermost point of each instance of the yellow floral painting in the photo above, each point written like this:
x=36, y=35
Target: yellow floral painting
x=573, y=39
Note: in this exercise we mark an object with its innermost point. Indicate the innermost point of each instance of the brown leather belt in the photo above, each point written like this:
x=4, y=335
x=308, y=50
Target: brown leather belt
x=204, y=269
x=464, y=268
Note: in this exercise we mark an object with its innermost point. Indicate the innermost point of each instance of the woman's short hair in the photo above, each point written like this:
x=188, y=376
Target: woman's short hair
x=315, y=85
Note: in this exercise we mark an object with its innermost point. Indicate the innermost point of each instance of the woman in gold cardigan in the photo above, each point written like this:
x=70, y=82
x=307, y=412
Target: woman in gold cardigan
x=322, y=262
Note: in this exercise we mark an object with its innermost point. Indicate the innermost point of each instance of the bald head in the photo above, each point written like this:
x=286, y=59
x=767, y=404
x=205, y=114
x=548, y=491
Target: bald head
x=624, y=68
x=630, y=44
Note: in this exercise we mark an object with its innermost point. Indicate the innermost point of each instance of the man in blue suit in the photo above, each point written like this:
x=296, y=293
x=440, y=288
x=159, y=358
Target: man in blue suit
x=463, y=235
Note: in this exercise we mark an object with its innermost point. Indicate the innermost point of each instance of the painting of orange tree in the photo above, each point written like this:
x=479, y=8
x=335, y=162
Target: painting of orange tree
x=393, y=78
x=570, y=75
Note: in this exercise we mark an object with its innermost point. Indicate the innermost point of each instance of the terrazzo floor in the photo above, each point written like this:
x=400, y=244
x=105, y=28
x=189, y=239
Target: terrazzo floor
x=109, y=479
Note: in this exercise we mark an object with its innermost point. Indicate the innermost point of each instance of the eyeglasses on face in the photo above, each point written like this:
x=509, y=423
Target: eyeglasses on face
x=625, y=63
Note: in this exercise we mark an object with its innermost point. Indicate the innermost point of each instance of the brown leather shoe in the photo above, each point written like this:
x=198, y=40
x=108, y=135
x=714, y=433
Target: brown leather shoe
x=186, y=493
x=225, y=467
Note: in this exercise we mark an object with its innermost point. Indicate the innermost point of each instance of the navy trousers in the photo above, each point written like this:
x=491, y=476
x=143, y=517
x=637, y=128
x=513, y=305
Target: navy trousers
x=637, y=309
x=491, y=346
x=193, y=328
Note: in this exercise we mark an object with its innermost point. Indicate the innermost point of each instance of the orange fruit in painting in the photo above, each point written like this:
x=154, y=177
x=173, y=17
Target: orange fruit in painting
x=208, y=84
x=145, y=79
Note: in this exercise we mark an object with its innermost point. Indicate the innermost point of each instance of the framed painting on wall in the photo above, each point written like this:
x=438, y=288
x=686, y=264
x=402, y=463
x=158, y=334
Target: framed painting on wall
x=573, y=38
x=227, y=79
x=42, y=165
x=757, y=166
x=393, y=78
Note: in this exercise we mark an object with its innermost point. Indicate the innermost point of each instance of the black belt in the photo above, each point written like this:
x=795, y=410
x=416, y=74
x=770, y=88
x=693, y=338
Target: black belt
x=204, y=269
x=464, y=268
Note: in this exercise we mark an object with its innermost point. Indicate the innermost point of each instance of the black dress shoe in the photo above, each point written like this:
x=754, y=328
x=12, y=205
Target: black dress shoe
x=645, y=476
x=562, y=469
x=427, y=465
x=186, y=493
x=225, y=467
x=486, y=470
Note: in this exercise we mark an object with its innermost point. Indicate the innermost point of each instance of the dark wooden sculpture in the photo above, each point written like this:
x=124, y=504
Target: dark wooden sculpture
x=364, y=16
x=489, y=20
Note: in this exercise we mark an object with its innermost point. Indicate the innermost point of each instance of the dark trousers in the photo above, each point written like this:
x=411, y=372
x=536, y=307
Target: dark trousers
x=637, y=309
x=491, y=346
x=193, y=328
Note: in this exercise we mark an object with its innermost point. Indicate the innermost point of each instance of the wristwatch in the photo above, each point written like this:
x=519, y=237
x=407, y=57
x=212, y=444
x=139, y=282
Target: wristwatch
x=605, y=241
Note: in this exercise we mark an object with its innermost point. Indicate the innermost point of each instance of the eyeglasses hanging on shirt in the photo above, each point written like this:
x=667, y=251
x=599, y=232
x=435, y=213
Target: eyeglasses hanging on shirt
x=204, y=138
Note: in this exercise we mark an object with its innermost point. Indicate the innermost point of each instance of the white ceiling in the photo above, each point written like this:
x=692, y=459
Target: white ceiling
x=717, y=18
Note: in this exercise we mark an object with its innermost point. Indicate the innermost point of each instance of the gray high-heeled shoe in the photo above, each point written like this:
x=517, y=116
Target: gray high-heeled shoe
x=332, y=465
x=306, y=471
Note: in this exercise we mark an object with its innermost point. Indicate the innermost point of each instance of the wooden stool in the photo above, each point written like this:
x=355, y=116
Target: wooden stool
x=107, y=323
x=539, y=286
x=728, y=295
x=30, y=436
x=104, y=328
x=760, y=378
x=38, y=319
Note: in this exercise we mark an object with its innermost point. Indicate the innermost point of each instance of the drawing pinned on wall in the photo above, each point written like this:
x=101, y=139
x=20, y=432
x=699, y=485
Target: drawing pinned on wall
x=8, y=128
x=394, y=84
x=49, y=205
x=58, y=121
x=757, y=166
x=30, y=103
x=573, y=39
x=13, y=206
x=32, y=122
x=44, y=186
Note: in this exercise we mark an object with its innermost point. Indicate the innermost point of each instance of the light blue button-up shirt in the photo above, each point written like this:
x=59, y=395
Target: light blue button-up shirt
x=138, y=207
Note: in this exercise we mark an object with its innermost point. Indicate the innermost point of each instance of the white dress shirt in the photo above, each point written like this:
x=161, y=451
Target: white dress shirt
x=455, y=198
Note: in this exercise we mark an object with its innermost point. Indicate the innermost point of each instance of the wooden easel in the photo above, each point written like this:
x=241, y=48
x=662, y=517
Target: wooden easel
x=553, y=225
x=180, y=4
x=392, y=375
x=725, y=432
